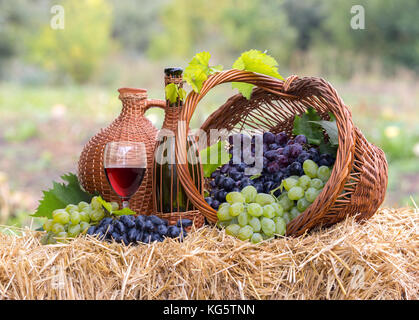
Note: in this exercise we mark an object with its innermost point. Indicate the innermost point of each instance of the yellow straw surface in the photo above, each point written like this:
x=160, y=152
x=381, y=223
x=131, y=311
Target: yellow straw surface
x=376, y=260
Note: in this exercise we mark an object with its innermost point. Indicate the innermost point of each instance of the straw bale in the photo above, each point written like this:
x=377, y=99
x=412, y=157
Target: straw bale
x=376, y=260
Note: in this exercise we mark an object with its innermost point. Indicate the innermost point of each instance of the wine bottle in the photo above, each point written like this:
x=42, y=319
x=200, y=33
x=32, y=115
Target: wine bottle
x=169, y=193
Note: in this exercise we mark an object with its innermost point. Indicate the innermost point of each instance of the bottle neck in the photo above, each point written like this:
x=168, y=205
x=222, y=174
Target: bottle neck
x=172, y=109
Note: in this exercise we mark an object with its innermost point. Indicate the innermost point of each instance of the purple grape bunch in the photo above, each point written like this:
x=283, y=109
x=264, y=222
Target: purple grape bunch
x=282, y=157
x=130, y=229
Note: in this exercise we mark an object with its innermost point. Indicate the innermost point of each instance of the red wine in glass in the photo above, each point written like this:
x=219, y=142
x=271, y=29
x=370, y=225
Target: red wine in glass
x=125, y=165
x=125, y=181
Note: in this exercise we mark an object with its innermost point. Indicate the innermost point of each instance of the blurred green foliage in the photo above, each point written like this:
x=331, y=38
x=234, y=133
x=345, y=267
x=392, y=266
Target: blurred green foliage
x=79, y=48
x=174, y=30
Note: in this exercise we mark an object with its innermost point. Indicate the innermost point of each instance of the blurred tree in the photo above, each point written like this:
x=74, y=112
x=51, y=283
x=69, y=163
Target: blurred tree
x=223, y=26
x=306, y=17
x=391, y=29
x=79, y=48
x=17, y=19
x=134, y=24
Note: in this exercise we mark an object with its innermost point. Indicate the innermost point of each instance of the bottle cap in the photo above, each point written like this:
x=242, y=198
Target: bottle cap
x=173, y=71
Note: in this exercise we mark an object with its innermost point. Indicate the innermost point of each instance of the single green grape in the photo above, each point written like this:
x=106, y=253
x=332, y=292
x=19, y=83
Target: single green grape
x=62, y=236
x=47, y=226
x=256, y=238
x=268, y=226
x=57, y=228
x=223, y=214
x=245, y=233
x=97, y=215
x=269, y=211
x=286, y=217
x=304, y=182
x=302, y=204
x=296, y=193
x=84, y=226
x=236, y=208
x=289, y=183
x=279, y=211
x=235, y=220
x=316, y=184
x=75, y=217
x=235, y=197
x=115, y=206
x=84, y=216
x=82, y=205
x=52, y=240
x=323, y=173
x=280, y=227
x=255, y=224
x=266, y=237
x=310, y=168
x=286, y=203
x=249, y=193
x=61, y=216
x=311, y=194
x=264, y=199
x=233, y=230
x=95, y=203
x=223, y=224
x=224, y=204
x=71, y=207
x=294, y=213
x=74, y=230
x=255, y=209
x=243, y=219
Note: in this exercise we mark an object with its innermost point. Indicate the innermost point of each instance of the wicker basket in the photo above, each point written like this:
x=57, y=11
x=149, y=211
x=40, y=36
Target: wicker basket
x=131, y=125
x=359, y=177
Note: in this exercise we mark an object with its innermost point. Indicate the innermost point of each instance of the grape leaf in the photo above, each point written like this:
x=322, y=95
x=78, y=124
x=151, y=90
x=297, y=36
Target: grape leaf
x=304, y=125
x=173, y=92
x=61, y=195
x=123, y=212
x=199, y=69
x=214, y=156
x=331, y=129
x=108, y=207
x=255, y=61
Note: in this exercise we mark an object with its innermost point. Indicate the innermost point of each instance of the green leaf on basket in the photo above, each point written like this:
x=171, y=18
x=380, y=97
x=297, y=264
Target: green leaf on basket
x=304, y=125
x=331, y=129
x=328, y=148
x=213, y=157
x=255, y=61
x=61, y=195
x=199, y=69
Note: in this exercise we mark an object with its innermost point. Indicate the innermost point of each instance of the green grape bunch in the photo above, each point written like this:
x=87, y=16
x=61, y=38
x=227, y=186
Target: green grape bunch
x=252, y=216
x=74, y=220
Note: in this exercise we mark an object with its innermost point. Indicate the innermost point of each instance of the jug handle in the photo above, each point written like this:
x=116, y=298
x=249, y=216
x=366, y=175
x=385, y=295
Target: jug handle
x=149, y=103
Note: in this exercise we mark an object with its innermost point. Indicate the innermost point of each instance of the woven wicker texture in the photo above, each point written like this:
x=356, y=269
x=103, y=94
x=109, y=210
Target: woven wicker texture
x=359, y=176
x=131, y=125
x=180, y=205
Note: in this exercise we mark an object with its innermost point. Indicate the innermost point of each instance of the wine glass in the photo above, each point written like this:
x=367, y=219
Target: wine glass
x=125, y=164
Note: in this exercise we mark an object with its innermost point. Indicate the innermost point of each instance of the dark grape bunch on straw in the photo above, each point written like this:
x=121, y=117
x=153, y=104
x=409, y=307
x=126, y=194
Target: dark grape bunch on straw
x=282, y=158
x=130, y=229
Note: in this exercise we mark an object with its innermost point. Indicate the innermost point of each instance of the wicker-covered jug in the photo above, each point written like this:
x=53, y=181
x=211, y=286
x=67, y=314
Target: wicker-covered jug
x=131, y=125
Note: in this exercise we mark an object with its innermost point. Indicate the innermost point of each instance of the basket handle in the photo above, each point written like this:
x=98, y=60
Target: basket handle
x=150, y=103
x=192, y=100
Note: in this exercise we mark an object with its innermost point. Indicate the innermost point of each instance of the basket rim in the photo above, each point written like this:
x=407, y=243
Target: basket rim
x=291, y=88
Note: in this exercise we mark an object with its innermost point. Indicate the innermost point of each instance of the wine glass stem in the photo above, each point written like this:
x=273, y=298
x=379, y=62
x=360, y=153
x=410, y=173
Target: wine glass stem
x=125, y=204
